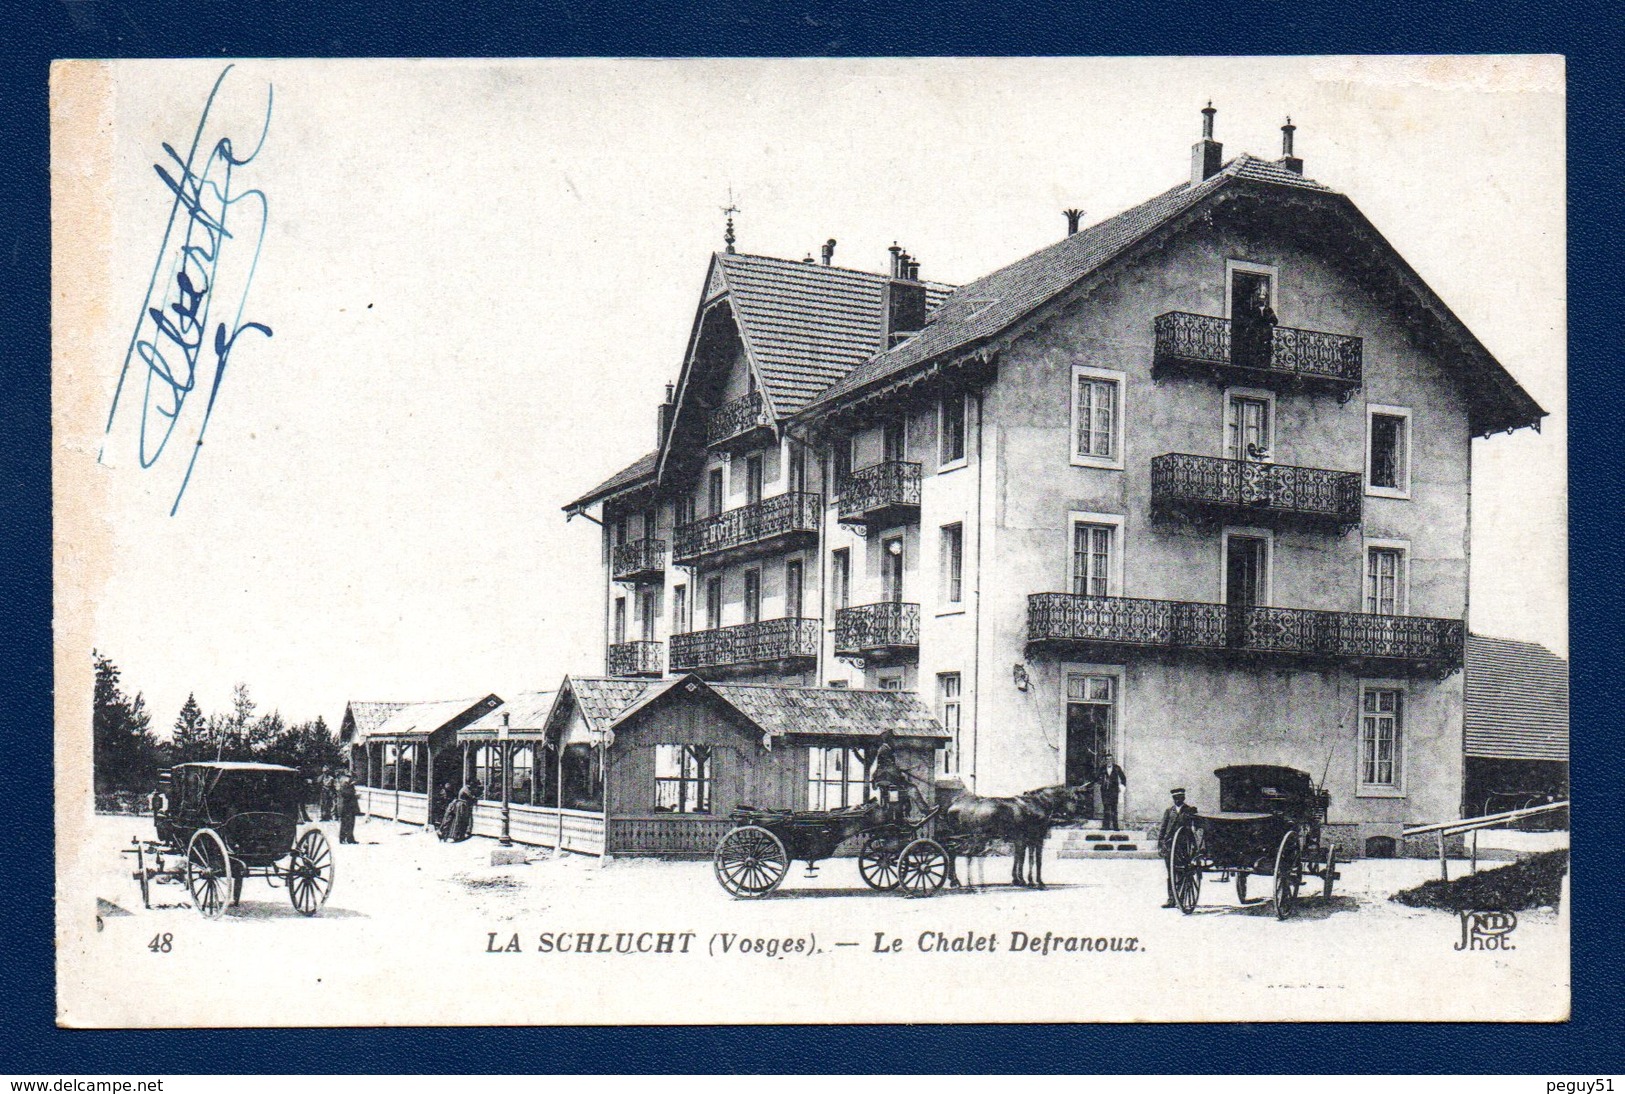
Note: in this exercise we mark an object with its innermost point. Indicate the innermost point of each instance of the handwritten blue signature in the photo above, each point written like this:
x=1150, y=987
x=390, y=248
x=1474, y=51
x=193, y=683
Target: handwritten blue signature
x=171, y=344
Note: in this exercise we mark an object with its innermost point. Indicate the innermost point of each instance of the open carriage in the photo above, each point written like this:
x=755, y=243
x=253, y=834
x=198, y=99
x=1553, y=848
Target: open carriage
x=1268, y=824
x=897, y=854
x=218, y=823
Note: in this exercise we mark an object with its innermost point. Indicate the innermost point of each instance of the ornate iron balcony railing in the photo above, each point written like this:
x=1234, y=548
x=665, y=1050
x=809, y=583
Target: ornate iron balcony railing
x=738, y=531
x=1412, y=643
x=638, y=559
x=1210, y=341
x=1180, y=481
x=637, y=659
x=881, y=488
x=734, y=418
x=869, y=630
x=771, y=640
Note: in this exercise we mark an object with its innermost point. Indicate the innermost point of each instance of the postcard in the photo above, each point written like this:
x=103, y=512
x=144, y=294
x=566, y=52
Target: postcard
x=828, y=540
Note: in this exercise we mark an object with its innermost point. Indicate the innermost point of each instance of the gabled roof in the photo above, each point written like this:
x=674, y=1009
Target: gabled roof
x=599, y=698
x=414, y=719
x=361, y=718
x=978, y=316
x=804, y=326
x=1516, y=700
x=640, y=473
x=527, y=710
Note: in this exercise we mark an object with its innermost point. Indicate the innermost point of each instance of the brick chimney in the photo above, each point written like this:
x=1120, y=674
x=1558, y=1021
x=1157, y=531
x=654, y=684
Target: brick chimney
x=903, y=303
x=1288, y=160
x=1207, y=154
x=665, y=415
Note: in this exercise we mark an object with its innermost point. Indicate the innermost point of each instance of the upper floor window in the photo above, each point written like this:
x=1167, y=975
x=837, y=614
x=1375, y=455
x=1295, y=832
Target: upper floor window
x=1385, y=579
x=1097, y=417
x=1092, y=551
x=953, y=563
x=840, y=578
x=1249, y=425
x=793, y=591
x=1388, y=455
x=892, y=566
x=620, y=620
x=753, y=596
x=714, y=492
x=798, y=467
x=753, y=478
x=894, y=441
x=713, y=602
x=951, y=430
x=679, y=608
x=840, y=461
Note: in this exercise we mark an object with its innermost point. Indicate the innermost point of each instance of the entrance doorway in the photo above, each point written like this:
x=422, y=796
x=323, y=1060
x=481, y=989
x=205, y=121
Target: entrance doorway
x=1091, y=723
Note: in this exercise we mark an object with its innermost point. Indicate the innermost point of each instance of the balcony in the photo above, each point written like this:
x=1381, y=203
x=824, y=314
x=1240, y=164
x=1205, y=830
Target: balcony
x=781, y=644
x=1289, y=356
x=1260, y=493
x=780, y=523
x=636, y=659
x=734, y=422
x=881, y=496
x=879, y=633
x=1389, y=644
x=639, y=560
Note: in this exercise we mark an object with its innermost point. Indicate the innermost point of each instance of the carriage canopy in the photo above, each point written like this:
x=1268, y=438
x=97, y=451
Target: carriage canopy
x=1263, y=788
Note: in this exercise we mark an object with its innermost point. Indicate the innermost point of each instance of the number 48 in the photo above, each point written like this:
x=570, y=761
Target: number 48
x=161, y=943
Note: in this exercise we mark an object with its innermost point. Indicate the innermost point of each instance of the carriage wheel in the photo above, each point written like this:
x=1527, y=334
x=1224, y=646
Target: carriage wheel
x=1241, y=886
x=1288, y=875
x=922, y=868
x=1331, y=871
x=750, y=861
x=877, y=862
x=310, y=872
x=1184, y=871
x=208, y=873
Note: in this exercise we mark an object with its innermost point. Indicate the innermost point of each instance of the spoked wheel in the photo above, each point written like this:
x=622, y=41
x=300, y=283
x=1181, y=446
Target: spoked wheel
x=922, y=868
x=1288, y=875
x=1184, y=870
x=310, y=872
x=208, y=873
x=1241, y=886
x=750, y=861
x=1331, y=871
x=877, y=862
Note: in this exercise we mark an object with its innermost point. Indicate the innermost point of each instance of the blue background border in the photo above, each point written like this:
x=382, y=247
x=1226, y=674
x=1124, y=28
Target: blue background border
x=1588, y=34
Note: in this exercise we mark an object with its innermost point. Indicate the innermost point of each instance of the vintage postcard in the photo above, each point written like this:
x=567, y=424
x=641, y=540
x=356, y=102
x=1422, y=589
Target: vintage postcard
x=824, y=540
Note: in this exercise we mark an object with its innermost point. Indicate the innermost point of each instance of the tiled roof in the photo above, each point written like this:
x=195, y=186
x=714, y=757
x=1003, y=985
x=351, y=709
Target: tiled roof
x=637, y=474
x=833, y=712
x=805, y=326
x=988, y=305
x=526, y=710
x=601, y=698
x=1517, y=700
x=414, y=719
x=366, y=717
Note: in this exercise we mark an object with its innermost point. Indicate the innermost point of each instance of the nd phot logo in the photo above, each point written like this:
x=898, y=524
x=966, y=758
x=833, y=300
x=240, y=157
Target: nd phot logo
x=1487, y=931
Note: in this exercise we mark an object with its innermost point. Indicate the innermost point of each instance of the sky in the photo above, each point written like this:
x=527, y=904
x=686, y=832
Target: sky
x=479, y=276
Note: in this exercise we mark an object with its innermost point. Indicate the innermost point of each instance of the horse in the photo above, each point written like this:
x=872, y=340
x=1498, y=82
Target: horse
x=969, y=822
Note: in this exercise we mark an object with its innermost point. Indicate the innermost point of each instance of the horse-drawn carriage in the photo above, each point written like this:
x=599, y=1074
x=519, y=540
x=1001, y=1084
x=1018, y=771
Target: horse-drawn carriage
x=1268, y=824
x=914, y=857
x=218, y=823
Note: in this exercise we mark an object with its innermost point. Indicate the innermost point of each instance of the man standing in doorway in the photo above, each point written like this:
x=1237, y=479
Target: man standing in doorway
x=1111, y=779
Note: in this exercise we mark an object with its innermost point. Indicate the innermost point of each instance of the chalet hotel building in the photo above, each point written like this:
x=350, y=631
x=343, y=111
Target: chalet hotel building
x=1191, y=485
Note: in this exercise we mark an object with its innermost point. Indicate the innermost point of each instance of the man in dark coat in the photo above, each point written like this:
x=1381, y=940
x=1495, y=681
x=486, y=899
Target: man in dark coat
x=344, y=796
x=324, y=786
x=458, y=823
x=1111, y=779
x=1172, y=819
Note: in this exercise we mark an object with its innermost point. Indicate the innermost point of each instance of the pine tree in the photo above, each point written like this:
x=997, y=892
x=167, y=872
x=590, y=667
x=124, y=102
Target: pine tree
x=189, y=741
x=124, y=753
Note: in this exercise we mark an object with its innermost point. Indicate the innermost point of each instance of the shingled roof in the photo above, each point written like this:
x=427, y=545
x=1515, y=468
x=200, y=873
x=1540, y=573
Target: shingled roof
x=804, y=326
x=362, y=718
x=1516, y=700
x=599, y=698
x=830, y=712
x=639, y=473
x=527, y=710
x=984, y=310
x=364, y=721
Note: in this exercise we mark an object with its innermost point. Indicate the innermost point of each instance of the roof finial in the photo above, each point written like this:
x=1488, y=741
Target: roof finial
x=1072, y=218
x=729, y=210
